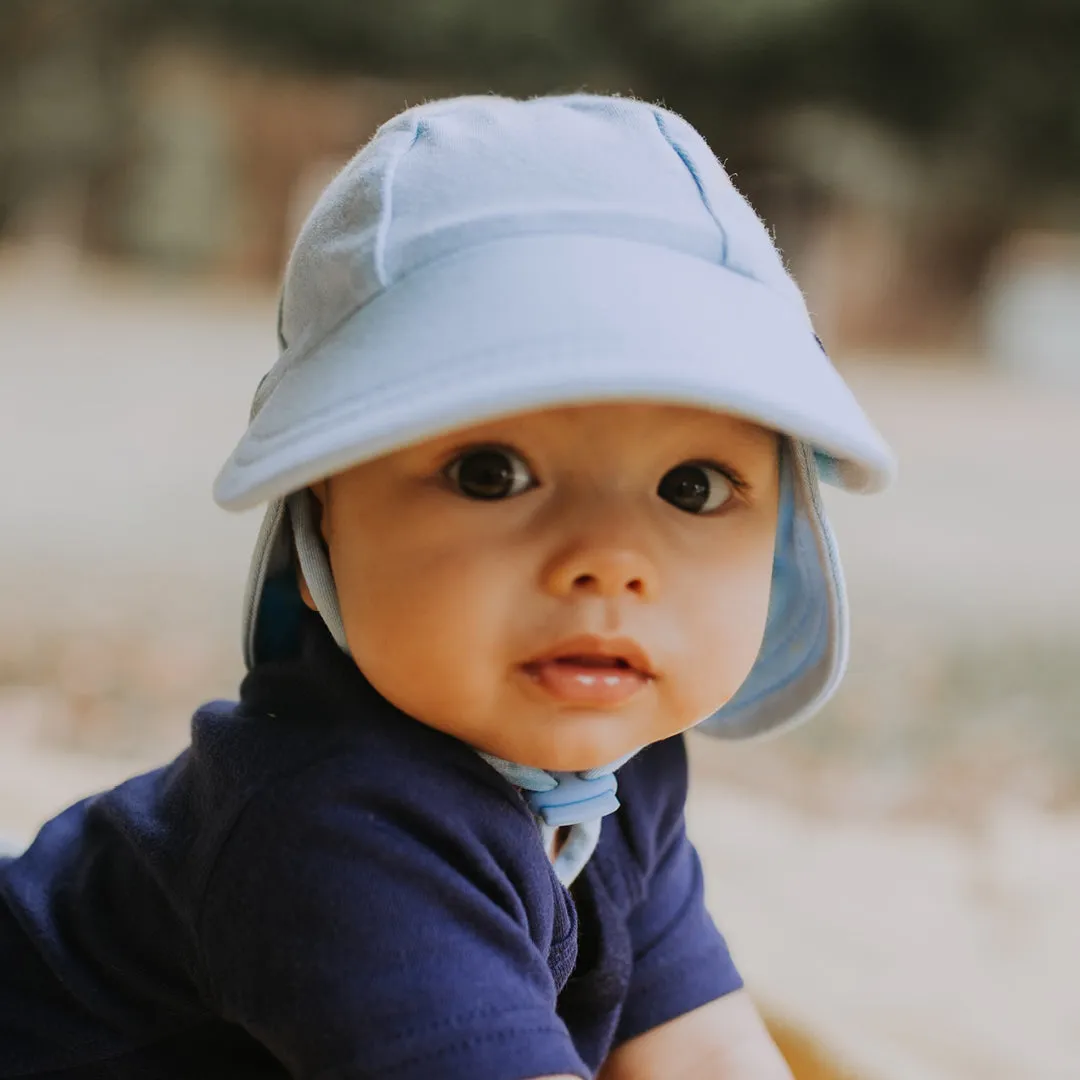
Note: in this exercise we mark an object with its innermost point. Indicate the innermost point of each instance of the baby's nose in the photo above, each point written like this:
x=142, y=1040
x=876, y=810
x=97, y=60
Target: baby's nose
x=608, y=572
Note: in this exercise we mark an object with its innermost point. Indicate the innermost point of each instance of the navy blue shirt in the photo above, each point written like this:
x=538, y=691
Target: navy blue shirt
x=322, y=887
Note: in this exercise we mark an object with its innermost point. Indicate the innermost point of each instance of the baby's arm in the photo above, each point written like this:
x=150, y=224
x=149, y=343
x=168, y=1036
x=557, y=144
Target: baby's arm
x=724, y=1040
x=686, y=1014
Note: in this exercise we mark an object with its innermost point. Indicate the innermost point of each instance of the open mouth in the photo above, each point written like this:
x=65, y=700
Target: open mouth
x=592, y=673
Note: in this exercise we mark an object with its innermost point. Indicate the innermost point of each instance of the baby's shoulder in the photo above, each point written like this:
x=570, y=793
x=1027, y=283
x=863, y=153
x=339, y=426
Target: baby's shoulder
x=373, y=766
x=374, y=806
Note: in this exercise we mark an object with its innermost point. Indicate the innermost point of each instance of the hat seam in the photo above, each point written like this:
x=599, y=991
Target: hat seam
x=386, y=190
x=688, y=164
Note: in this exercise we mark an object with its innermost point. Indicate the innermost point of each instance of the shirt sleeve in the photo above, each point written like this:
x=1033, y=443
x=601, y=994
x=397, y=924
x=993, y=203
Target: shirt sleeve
x=680, y=959
x=357, y=940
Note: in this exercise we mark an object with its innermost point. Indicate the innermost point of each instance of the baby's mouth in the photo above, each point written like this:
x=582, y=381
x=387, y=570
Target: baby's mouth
x=598, y=676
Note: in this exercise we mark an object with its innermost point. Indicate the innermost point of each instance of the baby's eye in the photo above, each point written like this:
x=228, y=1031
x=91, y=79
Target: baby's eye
x=490, y=472
x=696, y=488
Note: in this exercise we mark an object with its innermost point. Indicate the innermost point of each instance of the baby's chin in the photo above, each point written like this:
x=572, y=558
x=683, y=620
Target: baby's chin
x=577, y=745
x=560, y=746
x=569, y=761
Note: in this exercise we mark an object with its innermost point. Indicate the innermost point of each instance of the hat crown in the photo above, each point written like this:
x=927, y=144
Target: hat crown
x=464, y=171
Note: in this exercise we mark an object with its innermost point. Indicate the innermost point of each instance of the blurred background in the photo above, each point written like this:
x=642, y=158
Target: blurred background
x=899, y=879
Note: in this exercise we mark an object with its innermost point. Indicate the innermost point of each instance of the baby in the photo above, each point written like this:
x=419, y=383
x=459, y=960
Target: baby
x=541, y=452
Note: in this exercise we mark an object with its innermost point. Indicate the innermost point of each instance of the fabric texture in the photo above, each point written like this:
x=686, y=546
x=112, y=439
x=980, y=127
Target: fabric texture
x=483, y=256
x=278, y=902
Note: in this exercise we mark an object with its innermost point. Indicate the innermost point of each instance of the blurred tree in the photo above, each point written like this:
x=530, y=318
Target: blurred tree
x=63, y=102
x=484, y=41
x=990, y=80
x=978, y=99
x=985, y=92
x=992, y=83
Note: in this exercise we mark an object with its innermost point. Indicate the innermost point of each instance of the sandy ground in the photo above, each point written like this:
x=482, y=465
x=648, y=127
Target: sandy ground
x=917, y=951
x=923, y=950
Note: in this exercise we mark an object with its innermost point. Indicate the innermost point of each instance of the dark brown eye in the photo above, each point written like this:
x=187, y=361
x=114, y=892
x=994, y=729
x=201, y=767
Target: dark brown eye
x=695, y=488
x=489, y=473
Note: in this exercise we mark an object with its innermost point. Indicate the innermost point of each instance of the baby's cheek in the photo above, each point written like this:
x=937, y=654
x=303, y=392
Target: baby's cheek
x=402, y=672
x=420, y=650
x=718, y=655
x=701, y=684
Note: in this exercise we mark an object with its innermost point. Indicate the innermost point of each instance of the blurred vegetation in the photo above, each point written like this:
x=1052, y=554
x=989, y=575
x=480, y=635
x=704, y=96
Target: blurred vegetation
x=964, y=114
x=991, y=82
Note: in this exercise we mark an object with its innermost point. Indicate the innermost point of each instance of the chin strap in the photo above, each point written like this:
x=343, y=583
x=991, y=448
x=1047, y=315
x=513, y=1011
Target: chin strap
x=563, y=798
x=556, y=798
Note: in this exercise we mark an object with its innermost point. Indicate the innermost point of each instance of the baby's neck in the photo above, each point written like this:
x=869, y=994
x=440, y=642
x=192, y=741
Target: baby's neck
x=558, y=839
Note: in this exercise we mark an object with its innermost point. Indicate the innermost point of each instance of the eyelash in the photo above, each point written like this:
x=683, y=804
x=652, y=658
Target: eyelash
x=738, y=483
x=454, y=456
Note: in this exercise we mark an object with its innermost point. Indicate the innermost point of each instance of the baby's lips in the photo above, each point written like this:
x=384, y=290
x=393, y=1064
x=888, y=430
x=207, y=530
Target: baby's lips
x=600, y=653
x=575, y=681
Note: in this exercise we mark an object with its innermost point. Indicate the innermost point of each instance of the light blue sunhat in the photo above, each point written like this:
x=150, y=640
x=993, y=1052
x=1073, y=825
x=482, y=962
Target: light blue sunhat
x=483, y=256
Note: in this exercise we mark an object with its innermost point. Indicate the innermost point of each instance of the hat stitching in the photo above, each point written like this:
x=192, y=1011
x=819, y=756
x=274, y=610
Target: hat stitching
x=387, y=193
x=691, y=168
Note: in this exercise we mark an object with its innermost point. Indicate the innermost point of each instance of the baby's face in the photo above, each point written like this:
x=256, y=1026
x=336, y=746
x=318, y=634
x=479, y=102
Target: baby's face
x=560, y=587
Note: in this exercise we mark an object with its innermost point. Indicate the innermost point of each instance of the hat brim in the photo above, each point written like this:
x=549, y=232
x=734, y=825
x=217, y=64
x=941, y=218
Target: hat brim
x=529, y=322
